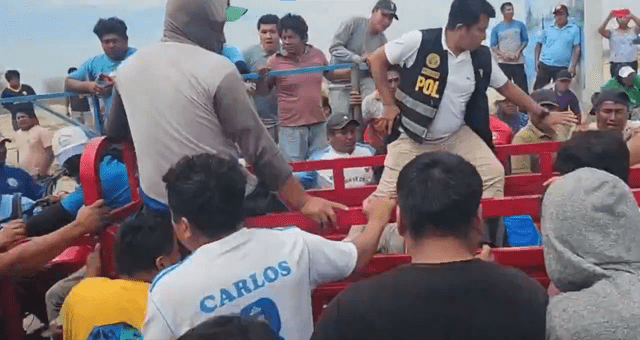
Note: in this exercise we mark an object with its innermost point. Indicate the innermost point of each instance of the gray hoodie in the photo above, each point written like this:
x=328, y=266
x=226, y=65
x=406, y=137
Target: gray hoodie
x=591, y=237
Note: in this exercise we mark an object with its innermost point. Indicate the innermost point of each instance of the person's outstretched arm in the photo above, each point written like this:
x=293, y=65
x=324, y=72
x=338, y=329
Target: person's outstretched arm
x=37, y=252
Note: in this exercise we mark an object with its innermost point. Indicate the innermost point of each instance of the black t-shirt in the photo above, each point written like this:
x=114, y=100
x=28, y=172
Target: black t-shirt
x=460, y=300
x=25, y=90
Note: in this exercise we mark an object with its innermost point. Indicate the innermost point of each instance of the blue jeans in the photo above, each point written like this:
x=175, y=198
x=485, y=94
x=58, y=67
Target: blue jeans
x=297, y=143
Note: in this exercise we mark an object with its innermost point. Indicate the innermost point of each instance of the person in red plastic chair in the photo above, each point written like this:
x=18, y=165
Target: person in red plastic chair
x=233, y=269
x=145, y=245
x=445, y=293
x=213, y=114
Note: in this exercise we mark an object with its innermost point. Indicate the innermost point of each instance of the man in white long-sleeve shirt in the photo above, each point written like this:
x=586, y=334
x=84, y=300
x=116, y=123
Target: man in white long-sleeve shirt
x=355, y=40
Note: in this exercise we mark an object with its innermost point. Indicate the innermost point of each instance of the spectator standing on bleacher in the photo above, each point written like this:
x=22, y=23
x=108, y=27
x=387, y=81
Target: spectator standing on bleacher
x=302, y=120
x=341, y=131
x=355, y=40
x=373, y=113
x=590, y=234
x=96, y=75
x=34, y=144
x=558, y=48
x=77, y=106
x=445, y=293
x=538, y=130
x=16, y=89
x=621, y=48
x=256, y=57
x=144, y=245
x=508, y=39
x=258, y=272
x=212, y=114
x=14, y=180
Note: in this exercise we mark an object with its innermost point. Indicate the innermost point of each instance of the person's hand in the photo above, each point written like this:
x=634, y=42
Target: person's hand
x=92, y=218
x=251, y=87
x=321, y=210
x=378, y=209
x=611, y=15
x=11, y=233
x=355, y=99
x=561, y=118
x=572, y=70
x=485, y=253
x=380, y=125
x=94, y=262
x=390, y=114
x=263, y=71
x=93, y=87
x=365, y=57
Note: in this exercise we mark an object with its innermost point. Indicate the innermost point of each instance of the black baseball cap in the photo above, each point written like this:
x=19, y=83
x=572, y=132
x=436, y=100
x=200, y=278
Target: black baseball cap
x=388, y=7
x=544, y=97
x=562, y=8
x=612, y=95
x=564, y=75
x=338, y=121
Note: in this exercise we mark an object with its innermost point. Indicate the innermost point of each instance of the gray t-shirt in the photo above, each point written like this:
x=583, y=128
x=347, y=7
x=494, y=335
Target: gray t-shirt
x=267, y=106
x=352, y=40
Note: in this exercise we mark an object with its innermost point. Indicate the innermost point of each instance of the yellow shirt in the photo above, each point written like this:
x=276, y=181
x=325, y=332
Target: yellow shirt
x=100, y=301
x=527, y=135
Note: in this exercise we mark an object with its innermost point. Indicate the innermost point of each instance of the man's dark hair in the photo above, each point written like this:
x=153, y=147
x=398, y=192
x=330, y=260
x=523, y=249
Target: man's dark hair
x=505, y=5
x=295, y=23
x=71, y=70
x=439, y=194
x=269, y=19
x=394, y=68
x=140, y=240
x=26, y=108
x=231, y=327
x=111, y=26
x=208, y=190
x=603, y=150
x=467, y=12
x=11, y=74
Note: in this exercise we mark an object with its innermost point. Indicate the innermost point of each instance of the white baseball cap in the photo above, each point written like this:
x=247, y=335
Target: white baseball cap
x=626, y=71
x=68, y=142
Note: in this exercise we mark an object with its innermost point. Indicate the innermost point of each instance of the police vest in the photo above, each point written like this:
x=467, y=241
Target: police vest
x=423, y=84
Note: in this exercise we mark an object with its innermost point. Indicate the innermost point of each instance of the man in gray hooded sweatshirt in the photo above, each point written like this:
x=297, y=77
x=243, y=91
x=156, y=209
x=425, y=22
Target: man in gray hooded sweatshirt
x=181, y=97
x=592, y=256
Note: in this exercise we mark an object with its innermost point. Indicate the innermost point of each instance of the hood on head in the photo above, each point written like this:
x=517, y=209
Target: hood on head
x=590, y=229
x=196, y=22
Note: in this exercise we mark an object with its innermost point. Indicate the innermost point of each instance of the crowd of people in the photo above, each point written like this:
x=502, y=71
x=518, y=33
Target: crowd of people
x=435, y=101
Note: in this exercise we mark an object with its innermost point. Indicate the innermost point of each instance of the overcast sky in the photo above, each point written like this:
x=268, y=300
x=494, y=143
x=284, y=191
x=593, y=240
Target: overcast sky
x=43, y=38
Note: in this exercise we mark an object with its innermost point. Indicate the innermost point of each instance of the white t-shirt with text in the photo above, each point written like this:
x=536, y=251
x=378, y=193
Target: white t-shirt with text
x=253, y=272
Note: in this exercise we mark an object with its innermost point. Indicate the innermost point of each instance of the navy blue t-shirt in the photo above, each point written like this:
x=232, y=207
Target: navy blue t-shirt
x=14, y=180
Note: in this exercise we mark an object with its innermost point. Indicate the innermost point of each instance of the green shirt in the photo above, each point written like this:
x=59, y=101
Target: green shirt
x=633, y=92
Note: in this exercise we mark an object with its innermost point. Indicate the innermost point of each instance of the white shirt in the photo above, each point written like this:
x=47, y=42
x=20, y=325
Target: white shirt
x=353, y=177
x=260, y=272
x=461, y=81
x=621, y=46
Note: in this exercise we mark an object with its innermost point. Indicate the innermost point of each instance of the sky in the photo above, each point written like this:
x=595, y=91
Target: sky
x=43, y=38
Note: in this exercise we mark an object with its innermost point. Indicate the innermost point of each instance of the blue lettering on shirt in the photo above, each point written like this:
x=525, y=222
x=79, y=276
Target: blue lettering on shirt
x=245, y=287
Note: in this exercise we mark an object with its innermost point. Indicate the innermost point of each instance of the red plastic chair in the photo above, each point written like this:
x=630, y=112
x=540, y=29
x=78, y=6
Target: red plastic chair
x=92, y=189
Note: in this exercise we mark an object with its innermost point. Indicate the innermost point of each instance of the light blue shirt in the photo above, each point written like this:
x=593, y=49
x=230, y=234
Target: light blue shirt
x=100, y=64
x=557, y=44
x=6, y=205
x=508, y=37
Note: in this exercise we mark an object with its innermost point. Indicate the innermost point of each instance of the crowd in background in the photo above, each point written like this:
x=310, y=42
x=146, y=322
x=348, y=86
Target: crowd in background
x=438, y=168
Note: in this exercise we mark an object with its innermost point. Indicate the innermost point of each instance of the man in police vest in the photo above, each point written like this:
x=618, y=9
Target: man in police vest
x=441, y=103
